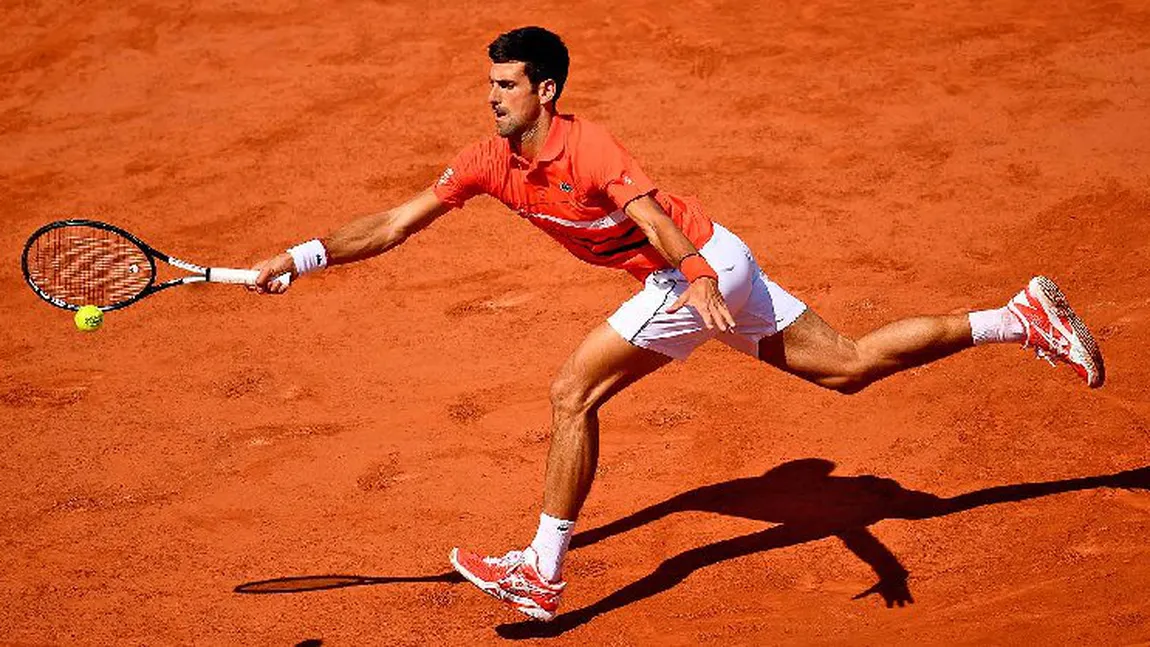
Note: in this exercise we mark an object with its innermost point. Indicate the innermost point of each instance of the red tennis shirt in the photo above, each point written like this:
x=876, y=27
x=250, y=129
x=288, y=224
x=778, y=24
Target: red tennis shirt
x=575, y=191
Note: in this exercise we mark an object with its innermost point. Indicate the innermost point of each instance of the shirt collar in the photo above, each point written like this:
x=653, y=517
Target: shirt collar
x=555, y=143
x=556, y=139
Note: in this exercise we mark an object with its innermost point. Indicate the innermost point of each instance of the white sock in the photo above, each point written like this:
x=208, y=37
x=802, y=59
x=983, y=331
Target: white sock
x=996, y=327
x=550, y=545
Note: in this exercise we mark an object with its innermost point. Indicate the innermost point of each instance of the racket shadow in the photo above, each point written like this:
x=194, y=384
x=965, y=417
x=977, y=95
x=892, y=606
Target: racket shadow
x=306, y=583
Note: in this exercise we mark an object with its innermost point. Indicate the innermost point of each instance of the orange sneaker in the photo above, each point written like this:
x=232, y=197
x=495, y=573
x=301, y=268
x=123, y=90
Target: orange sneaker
x=513, y=578
x=1055, y=332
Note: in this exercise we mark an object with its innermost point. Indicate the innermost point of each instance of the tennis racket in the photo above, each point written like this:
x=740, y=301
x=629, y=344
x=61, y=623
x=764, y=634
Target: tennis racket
x=73, y=263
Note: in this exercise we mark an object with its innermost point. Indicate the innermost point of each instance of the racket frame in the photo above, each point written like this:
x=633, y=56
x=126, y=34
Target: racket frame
x=199, y=273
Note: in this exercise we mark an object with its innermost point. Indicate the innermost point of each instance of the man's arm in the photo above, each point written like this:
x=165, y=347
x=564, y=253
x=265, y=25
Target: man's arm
x=362, y=238
x=703, y=294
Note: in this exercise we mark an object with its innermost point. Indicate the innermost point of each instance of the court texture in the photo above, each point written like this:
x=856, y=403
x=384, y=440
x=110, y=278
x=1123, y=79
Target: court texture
x=219, y=468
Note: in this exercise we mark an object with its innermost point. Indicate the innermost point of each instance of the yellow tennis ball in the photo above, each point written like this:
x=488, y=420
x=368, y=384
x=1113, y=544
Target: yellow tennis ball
x=89, y=318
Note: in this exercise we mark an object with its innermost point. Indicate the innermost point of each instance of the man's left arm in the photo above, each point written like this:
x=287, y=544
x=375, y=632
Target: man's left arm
x=703, y=293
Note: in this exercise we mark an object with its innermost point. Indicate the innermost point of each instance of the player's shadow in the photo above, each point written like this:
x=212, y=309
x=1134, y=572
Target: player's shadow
x=806, y=503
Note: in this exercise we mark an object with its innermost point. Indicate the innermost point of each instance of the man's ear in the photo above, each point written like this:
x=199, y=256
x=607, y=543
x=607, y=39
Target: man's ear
x=547, y=90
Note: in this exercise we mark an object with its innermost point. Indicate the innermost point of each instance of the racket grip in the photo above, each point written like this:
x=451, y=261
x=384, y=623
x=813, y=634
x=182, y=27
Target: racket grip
x=240, y=277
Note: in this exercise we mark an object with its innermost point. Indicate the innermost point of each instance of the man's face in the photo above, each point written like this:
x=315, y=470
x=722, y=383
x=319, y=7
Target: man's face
x=515, y=103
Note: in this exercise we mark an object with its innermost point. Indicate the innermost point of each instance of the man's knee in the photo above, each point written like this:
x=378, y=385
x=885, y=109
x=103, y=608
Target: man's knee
x=851, y=372
x=569, y=396
x=810, y=348
x=847, y=383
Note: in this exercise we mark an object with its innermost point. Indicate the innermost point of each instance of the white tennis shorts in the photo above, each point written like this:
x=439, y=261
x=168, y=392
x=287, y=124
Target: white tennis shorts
x=760, y=307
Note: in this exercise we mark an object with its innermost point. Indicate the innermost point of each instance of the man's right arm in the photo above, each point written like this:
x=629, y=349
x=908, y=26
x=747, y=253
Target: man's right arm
x=375, y=234
x=361, y=238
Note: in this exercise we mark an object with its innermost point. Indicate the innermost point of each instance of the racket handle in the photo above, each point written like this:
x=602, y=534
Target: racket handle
x=240, y=277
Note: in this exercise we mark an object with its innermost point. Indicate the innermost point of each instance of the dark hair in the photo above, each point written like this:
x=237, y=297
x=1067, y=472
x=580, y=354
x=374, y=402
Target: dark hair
x=542, y=52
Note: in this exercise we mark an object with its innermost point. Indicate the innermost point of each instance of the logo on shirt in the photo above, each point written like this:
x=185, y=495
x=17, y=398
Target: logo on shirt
x=566, y=188
x=446, y=177
x=627, y=180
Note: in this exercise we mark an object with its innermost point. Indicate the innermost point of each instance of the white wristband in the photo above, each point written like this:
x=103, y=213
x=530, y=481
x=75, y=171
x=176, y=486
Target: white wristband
x=308, y=257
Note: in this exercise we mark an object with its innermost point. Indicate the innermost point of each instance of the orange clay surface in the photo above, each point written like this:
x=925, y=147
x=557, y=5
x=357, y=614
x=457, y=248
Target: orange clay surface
x=219, y=468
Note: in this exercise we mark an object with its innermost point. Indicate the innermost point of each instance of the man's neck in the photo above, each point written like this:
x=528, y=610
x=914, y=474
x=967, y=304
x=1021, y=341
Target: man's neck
x=531, y=140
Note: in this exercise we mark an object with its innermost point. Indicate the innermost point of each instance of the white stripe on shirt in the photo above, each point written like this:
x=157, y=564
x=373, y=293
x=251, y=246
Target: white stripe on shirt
x=606, y=222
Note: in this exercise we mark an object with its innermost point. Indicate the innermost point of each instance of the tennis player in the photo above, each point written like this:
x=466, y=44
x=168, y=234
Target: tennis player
x=572, y=179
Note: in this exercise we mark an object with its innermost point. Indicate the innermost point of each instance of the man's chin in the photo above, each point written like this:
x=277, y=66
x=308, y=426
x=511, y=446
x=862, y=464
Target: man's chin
x=506, y=130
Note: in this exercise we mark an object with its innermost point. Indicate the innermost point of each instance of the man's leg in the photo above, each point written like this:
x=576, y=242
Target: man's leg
x=814, y=351
x=600, y=367
x=1039, y=317
x=603, y=365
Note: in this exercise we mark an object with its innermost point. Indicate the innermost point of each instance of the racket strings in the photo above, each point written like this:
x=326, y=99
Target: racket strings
x=83, y=265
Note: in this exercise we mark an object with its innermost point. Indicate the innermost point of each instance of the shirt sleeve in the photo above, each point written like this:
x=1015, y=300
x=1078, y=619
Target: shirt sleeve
x=617, y=174
x=462, y=179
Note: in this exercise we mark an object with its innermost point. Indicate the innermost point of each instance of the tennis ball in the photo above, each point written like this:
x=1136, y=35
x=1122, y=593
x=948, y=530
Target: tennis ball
x=89, y=318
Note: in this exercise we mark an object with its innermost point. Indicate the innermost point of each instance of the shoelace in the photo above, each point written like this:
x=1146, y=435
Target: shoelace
x=1060, y=347
x=511, y=559
x=1041, y=354
x=515, y=578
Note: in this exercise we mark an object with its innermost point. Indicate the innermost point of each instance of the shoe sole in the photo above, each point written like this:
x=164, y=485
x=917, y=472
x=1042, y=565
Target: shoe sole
x=1058, y=310
x=494, y=591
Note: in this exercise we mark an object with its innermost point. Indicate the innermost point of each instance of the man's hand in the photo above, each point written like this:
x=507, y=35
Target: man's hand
x=270, y=269
x=703, y=295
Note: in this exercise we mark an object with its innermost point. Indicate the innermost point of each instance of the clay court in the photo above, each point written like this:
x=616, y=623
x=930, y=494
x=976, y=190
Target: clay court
x=219, y=468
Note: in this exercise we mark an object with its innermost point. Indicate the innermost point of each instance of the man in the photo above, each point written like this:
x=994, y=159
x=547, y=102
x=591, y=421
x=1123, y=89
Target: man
x=571, y=179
